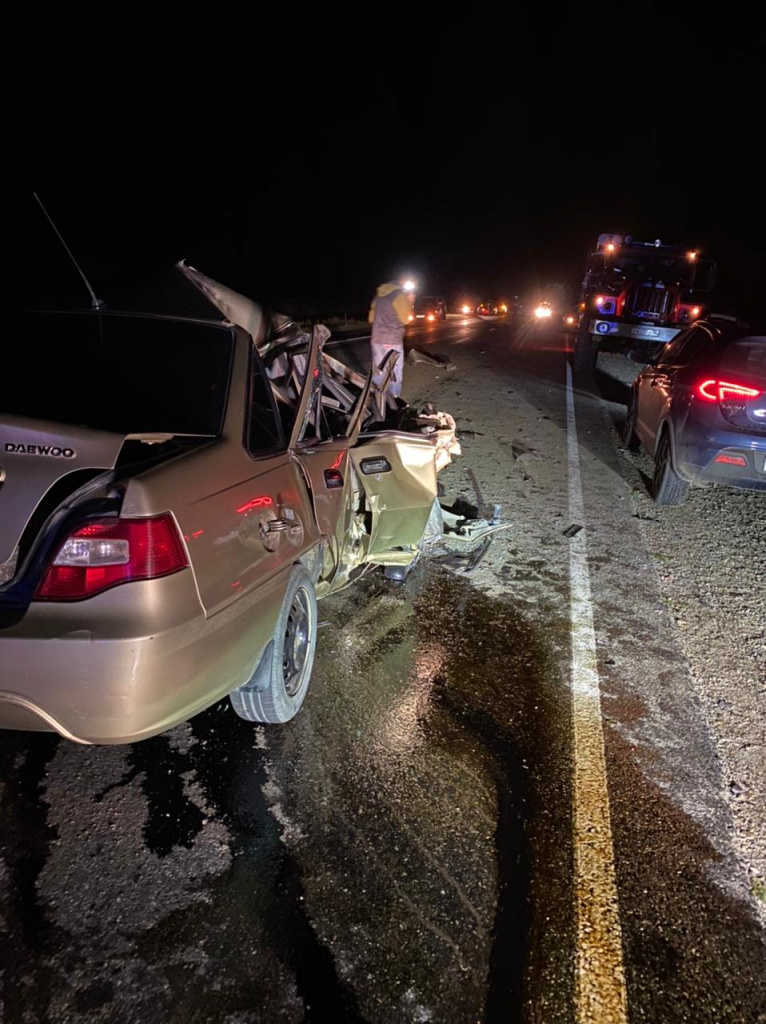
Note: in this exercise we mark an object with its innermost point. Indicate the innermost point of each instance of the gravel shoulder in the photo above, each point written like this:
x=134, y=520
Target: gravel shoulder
x=709, y=555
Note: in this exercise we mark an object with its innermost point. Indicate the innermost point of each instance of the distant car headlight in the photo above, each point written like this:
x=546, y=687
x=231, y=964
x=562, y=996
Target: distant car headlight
x=542, y=312
x=411, y=316
x=465, y=310
x=570, y=320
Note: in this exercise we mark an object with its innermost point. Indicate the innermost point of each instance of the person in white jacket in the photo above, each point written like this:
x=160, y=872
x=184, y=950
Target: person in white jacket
x=389, y=314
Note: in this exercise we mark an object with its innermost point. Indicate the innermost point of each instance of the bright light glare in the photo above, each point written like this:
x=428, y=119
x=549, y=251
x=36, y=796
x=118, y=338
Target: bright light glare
x=466, y=310
x=692, y=256
x=542, y=312
x=570, y=319
x=611, y=247
x=696, y=310
x=409, y=285
x=431, y=316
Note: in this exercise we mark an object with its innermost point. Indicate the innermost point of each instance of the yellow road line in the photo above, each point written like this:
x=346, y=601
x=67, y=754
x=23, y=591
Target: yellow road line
x=600, y=995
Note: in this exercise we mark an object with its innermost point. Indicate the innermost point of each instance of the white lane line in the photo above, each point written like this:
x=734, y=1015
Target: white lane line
x=600, y=996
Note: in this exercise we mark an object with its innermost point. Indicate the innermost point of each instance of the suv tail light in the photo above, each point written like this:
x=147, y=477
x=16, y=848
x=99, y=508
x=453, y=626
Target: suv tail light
x=107, y=552
x=721, y=391
x=734, y=400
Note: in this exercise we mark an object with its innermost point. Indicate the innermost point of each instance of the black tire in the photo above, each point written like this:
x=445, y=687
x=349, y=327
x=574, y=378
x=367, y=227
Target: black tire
x=668, y=487
x=632, y=440
x=585, y=353
x=278, y=686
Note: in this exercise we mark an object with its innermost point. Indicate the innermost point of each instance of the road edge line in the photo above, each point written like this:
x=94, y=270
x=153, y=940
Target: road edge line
x=600, y=992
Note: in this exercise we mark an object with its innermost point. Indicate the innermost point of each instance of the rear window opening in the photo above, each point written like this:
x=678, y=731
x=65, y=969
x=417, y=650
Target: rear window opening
x=126, y=374
x=746, y=358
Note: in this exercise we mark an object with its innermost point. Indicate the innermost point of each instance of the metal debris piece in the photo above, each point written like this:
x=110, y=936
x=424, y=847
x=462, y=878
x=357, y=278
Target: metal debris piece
x=476, y=488
x=416, y=355
x=572, y=531
x=455, y=541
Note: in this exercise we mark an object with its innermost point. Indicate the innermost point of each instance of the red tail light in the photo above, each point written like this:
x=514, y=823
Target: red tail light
x=107, y=552
x=721, y=390
x=732, y=460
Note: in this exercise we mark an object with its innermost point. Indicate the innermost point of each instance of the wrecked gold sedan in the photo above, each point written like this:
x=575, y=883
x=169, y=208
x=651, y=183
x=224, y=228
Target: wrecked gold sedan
x=175, y=494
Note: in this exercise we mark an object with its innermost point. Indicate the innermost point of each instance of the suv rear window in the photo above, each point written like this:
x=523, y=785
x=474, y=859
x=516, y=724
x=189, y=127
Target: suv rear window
x=128, y=374
x=746, y=357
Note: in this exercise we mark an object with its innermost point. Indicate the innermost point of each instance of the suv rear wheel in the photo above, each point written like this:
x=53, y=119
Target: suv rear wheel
x=669, y=488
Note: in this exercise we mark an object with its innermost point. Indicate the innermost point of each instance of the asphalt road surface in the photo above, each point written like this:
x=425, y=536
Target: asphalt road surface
x=502, y=800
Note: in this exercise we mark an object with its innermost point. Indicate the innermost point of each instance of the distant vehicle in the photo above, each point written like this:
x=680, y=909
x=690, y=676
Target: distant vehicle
x=492, y=307
x=638, y=291
x=700, y=410
x=543, y=311
x=571, y=320
x=431, y=308
x=468, y=309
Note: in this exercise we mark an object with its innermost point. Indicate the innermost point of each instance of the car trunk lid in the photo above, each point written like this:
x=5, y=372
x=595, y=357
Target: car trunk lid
x=35, y=457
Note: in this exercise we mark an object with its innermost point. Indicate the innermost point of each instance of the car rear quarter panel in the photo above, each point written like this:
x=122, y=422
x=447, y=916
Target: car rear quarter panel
x=132, y=661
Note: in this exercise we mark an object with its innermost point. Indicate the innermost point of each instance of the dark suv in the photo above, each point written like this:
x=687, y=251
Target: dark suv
x=700, y=409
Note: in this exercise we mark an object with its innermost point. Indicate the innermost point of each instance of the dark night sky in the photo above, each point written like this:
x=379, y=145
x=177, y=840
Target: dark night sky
x=304, y=156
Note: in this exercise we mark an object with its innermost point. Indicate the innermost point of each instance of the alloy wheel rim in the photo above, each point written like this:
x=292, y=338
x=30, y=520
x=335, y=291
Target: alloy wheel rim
x=662, y=461
x=296, y=649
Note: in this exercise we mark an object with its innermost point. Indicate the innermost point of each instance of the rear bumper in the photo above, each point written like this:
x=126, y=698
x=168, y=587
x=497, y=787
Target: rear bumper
x=697, y=463
x=116, y=682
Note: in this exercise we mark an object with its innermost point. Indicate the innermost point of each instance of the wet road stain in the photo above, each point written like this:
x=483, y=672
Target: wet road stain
x=27, y=934
x=398, y=852
x=253, y=925
x=519, y=711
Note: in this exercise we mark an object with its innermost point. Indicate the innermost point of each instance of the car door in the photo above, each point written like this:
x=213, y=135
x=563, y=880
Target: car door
x=654, y=390
x=398, y=474
x=322, y=448
x=665, y=393
x=252, y=517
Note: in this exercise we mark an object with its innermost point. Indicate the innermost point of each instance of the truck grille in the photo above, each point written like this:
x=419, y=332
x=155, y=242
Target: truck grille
x=650, y=302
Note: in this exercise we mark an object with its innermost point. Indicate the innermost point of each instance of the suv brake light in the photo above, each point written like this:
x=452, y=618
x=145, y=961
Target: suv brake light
x=721, y=390
x=107, y=552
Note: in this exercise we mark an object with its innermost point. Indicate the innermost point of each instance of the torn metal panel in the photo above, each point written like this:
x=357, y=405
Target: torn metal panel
x=456, y=541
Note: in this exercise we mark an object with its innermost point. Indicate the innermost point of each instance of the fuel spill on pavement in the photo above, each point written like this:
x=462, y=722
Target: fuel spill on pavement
x=386, y=856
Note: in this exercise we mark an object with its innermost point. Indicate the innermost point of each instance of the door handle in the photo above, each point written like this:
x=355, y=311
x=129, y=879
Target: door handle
x=333, y=478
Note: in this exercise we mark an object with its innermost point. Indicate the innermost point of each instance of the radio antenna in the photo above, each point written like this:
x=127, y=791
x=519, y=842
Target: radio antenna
x=95, y=302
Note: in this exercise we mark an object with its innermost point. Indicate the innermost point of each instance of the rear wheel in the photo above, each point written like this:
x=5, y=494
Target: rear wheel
x=669, y=488
x=279, y=684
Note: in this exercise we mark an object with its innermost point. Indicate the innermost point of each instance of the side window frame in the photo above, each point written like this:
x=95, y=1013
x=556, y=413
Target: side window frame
x=256, y=366
x=693, y=336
